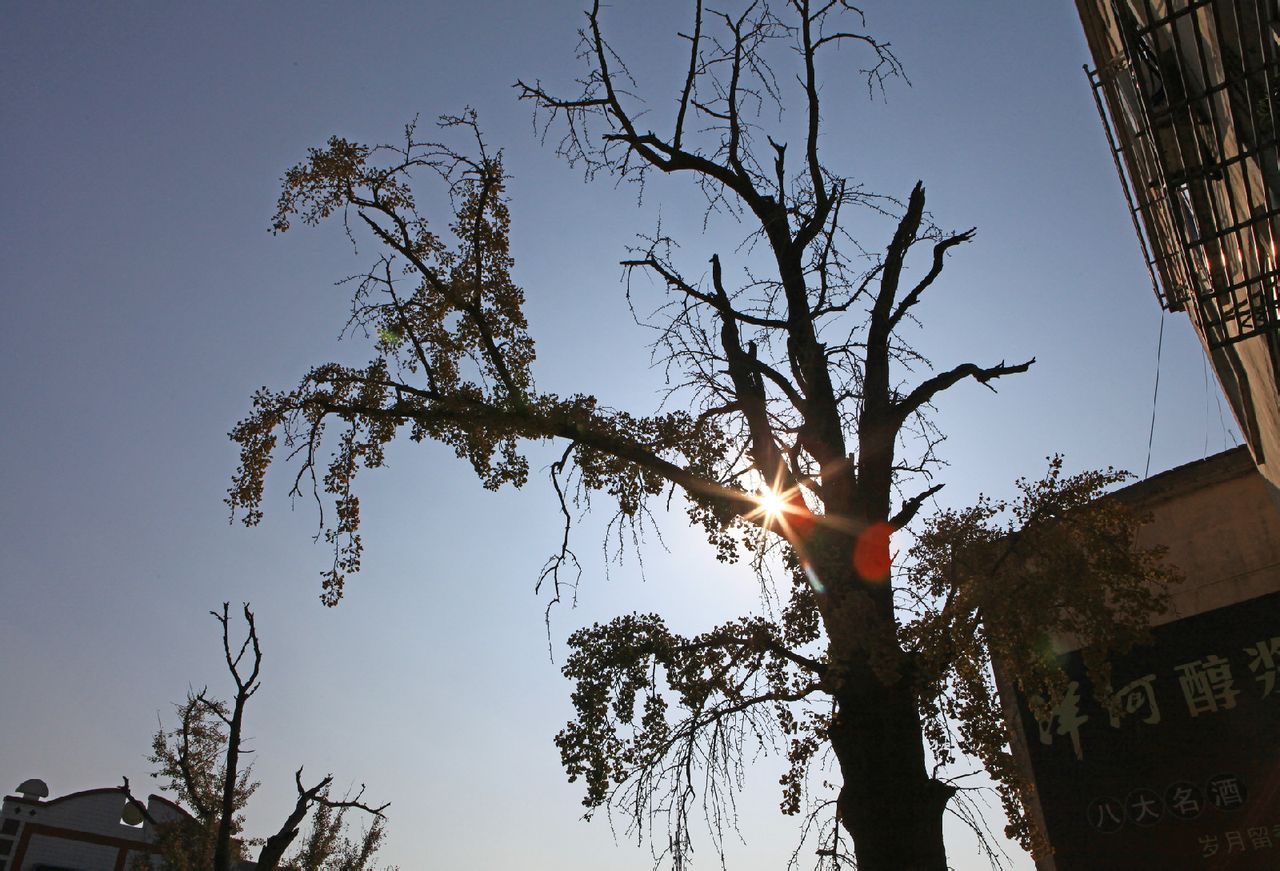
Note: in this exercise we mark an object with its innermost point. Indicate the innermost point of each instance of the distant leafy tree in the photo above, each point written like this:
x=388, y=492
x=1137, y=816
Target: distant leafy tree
x=198, y=761
x=191, y=764
x=328, y=847
x=796, y=425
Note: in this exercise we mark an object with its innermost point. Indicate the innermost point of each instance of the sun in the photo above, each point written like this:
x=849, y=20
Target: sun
x=772, y=505
x=774, y=508
x=780, y=509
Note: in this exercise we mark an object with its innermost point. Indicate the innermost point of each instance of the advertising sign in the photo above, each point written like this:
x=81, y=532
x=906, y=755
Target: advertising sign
x=1187, y=774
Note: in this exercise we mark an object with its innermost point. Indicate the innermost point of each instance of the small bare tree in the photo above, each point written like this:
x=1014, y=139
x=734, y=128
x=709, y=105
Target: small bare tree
x=200, y=762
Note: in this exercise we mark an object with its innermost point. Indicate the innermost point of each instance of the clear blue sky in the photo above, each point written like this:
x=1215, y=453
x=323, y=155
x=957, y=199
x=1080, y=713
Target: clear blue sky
x=143, y=301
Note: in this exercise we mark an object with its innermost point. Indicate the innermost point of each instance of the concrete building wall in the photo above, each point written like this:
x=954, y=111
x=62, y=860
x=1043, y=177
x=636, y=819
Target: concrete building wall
x=1220, y=527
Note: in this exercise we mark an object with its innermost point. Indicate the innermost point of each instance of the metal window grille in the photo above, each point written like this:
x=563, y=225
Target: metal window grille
x=1189, y=105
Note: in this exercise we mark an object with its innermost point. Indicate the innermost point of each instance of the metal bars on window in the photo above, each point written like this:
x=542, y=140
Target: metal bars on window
x=1192, y=107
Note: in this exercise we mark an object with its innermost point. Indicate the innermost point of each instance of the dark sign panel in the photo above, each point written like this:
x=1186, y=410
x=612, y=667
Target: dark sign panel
x=1187, y=774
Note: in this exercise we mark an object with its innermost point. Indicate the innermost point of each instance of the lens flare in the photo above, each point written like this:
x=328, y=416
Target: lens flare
x=772, y=504
x=871, y=552
x=814, y=580
x=777, y=507
x=783, y=511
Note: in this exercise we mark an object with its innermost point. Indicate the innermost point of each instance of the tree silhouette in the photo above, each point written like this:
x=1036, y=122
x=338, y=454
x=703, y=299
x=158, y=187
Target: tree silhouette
x=805, y=441
x=200, y=762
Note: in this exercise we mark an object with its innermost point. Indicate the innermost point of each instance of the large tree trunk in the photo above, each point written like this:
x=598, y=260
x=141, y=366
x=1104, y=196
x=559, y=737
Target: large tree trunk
x=888, y=803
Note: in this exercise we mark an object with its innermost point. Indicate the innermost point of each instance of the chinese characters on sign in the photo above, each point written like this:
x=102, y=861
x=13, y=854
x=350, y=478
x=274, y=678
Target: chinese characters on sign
x=1237, y=841
x=1136, y=696
x=1181, y=800
x=1263, y=665
x=1068, y=719
x=1207, y=686
x=1167, y=767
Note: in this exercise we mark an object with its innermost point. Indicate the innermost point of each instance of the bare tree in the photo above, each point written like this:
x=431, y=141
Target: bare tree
x=200, y=761
x=805, y=435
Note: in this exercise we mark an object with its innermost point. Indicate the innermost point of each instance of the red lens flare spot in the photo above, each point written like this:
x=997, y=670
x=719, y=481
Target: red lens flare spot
x=871, y=552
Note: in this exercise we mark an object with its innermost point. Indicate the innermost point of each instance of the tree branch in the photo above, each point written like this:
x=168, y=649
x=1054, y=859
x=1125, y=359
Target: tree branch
x=745, y=371
x=715, y=302
x=142, y=808
x=909, y=508
x=275, y=846
x=926, y=391
x=691, y=76
x=245, y=688
x=939, y=252
x=528, y=423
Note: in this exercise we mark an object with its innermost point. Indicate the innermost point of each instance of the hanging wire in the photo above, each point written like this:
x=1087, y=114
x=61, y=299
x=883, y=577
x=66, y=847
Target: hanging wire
x=1227, y=432
x=1204, y=362
x=1151, y=436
